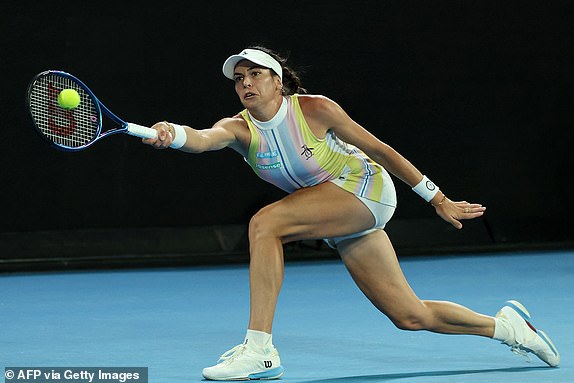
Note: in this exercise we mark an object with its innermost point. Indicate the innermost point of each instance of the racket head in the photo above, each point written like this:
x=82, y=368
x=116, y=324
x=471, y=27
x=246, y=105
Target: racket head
x=65, y=129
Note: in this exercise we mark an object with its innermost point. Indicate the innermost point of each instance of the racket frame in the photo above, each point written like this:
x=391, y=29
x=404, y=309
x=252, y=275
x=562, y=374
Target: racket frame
x=124, y=127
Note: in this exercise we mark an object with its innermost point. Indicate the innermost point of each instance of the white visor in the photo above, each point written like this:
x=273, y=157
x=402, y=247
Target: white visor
x=255, y=56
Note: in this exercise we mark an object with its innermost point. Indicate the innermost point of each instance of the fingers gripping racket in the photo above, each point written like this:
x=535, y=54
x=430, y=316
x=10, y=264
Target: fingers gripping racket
x=77, y=128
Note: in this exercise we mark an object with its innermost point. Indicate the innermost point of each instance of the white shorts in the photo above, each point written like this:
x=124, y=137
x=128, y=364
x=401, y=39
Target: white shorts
x=382, y=212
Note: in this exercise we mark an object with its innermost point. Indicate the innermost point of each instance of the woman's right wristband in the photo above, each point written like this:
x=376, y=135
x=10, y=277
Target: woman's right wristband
x=180, y=135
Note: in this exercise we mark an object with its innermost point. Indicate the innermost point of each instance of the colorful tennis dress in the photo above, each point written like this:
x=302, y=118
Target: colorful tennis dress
x=286, y=153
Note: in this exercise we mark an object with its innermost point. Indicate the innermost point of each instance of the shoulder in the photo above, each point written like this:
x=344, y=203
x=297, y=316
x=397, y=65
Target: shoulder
x=320, y=108
x=235, y=122
x=237, y=126
x=315, y=102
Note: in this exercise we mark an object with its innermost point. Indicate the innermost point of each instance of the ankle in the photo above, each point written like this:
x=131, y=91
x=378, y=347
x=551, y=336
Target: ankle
x=503, y=331
x=258, y=339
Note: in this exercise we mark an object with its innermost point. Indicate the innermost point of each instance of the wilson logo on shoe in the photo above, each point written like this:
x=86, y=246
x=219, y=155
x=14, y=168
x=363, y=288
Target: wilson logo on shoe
x=267, y=363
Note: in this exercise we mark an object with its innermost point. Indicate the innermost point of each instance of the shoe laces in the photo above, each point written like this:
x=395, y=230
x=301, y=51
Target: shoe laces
x=522, y=351
x=229, y=355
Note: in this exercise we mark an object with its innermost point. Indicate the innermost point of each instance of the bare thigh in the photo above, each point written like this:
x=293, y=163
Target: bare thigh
x=372, y=262
x=316, y=212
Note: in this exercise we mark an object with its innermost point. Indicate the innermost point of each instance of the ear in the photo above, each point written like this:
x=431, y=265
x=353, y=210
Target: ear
x=278, y=83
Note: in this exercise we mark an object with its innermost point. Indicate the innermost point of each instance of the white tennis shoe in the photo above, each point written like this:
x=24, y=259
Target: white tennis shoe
x=526, y=338
x=246, y=362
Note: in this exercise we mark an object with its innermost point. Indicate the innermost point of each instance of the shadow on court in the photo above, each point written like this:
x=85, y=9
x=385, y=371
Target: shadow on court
x=422, y=374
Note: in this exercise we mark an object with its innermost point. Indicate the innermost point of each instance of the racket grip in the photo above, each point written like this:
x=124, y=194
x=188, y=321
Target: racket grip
x=141, y=131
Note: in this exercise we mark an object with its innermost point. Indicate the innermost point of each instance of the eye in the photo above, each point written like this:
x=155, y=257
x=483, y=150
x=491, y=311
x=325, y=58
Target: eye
x=238, y=79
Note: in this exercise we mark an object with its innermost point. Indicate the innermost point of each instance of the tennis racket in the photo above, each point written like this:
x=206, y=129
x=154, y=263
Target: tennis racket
x=78, y=128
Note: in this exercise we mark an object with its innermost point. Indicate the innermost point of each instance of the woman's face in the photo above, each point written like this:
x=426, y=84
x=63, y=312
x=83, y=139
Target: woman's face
x=255, y=84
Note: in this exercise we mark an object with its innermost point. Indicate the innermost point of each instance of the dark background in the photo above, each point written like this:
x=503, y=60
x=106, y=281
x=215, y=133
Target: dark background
x=477, y=94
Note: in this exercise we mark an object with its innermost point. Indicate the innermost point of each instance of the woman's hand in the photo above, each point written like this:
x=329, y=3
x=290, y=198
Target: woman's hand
x=454, y=212
x=165, y=135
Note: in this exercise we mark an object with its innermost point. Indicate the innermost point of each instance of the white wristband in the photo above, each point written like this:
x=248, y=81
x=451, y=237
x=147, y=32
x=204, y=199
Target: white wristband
x=180, y=136
x=426, y=189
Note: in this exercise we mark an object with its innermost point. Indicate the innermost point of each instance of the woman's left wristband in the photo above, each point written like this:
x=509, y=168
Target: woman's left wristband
x=426, y=189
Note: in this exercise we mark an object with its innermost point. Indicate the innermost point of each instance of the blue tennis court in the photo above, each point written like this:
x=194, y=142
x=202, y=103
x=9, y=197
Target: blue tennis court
x=177, y=321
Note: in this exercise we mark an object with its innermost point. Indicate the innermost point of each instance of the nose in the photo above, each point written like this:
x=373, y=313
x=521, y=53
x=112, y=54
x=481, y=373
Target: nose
x=246, y=82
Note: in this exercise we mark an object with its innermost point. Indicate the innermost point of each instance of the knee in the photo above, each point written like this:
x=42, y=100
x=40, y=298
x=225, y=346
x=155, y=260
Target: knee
x=412, y=321
x=263, y=224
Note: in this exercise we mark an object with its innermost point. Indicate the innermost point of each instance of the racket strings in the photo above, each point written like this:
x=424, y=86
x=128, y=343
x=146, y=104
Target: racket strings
x=68, y=128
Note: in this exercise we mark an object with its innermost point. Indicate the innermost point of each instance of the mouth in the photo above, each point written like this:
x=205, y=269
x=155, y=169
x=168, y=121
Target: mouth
x=248, y=95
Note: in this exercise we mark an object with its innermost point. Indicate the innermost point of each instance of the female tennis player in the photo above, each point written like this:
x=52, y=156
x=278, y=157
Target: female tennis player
x=340, y=190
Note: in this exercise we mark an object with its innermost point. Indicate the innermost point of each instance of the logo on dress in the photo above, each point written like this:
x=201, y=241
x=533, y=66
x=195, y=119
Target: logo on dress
x=307, y=152
x=276, y=165
x=269, y=154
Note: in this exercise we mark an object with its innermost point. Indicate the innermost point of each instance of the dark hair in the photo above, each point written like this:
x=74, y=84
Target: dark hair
x=291, y=81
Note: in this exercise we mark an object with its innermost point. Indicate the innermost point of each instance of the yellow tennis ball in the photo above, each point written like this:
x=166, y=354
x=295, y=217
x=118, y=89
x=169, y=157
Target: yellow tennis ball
x=69, y=99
